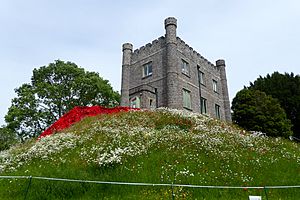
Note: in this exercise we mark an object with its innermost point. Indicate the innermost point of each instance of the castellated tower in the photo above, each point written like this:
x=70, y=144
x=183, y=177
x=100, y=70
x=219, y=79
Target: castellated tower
x=169, y=73
x=127, y=51
x=172, y=63
x=221, y=65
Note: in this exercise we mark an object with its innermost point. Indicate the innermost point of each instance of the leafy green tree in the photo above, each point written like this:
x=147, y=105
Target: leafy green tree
x=7, y=138
x=54, y=90
x=256, y=111
x=285, y=88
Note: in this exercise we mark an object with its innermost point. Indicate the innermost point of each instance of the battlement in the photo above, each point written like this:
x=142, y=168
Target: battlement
x=181, y=44
x=171, y=21
x=149, y=48
x=127, y=46
x=159, y=43
x=220, y=63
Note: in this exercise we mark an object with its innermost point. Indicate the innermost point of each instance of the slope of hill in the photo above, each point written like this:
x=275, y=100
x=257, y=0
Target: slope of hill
x=162, y=146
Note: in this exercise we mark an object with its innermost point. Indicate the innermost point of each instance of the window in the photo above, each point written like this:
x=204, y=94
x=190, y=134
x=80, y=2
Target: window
x=151, y=103
x=187, y=99
x=203, y=105
x=147, y=69
x=135, y=102
x=185, y=67
x=201, y=77
x=215, y=86
x=217, y=110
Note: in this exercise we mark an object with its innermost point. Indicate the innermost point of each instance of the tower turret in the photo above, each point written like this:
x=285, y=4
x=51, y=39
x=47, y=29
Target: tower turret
x=172, y=63
x=171, y=26
x=221, y=65
x=127, y=51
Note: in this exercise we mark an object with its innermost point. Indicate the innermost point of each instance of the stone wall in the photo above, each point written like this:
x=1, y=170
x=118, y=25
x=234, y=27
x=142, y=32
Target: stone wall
x=153, y=52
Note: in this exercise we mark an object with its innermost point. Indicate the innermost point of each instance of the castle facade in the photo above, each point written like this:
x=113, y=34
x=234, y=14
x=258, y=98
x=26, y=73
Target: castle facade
x=169, y=73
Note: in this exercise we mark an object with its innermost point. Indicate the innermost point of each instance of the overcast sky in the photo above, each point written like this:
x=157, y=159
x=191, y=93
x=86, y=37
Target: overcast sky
x=255, y=37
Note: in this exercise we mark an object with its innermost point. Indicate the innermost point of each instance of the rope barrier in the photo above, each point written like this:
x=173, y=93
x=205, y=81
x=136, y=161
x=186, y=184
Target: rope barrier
x=149, y=184
x=14, y=177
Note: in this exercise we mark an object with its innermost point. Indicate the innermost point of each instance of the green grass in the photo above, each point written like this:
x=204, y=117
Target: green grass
x=164, y=146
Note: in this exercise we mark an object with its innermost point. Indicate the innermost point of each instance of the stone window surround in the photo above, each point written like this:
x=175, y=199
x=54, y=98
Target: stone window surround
x=185, y=67
x=151, y=103
x=217, y=111
x=186, y=98
x=203, y=105
x=215, y=85
x=201, y=77
x=147, y=69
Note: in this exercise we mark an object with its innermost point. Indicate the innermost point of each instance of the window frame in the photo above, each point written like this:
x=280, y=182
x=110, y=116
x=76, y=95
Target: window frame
x=146, y=69
x=151, y=103
x=201, y=77
x=185, y=67
x=203, y=109
x=215, y=85
x=187, y=99
x=217, y=111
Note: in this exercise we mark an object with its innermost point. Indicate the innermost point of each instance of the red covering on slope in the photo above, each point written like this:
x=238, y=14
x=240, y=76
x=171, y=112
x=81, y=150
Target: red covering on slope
x=78, y=113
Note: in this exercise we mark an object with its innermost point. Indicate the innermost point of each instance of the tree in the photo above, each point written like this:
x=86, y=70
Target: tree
x=54, y=90
x=7, y=138
x=256, y=111
x=285, y=88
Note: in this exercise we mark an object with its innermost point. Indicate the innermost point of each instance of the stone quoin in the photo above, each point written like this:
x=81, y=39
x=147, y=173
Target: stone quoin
x=169, y=73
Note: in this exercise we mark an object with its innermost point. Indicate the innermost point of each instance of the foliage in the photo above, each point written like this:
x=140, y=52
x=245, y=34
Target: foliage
x=53, y=91
x=285, y=88
x=7, y=138
x=162, y=146
x=255, y=111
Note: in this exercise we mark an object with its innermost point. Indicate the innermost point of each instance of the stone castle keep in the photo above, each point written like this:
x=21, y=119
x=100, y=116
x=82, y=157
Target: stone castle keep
x=169, y=73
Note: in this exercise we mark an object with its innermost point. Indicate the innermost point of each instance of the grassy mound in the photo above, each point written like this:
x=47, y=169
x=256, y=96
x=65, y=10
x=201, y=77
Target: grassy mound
x=163, y=146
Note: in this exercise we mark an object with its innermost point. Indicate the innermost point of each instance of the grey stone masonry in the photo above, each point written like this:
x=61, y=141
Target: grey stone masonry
x=169, y=73
x=127, y=51
x=172, y=64
x=221, y=64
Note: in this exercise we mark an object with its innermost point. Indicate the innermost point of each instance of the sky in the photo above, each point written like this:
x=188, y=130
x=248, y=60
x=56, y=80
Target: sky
x=255, y=37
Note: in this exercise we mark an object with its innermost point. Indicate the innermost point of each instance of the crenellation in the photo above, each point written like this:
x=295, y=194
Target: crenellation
x=180, y=41
x=161, y=38
x=155, y=45
x=154, y=42
x=142, y=48
x=209, y=63
x=196, y=56
x=149, y=45
x=191, y=51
